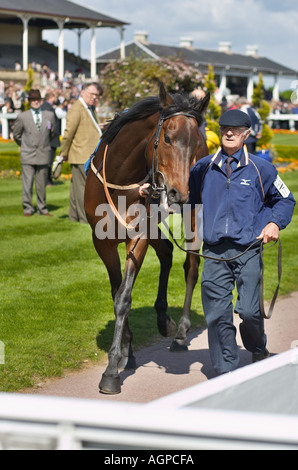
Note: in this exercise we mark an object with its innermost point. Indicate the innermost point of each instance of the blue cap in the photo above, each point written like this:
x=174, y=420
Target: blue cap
x=235, y=118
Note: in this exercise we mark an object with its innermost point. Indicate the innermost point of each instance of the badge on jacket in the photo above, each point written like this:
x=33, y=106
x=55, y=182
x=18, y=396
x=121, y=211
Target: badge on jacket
x=281, y=187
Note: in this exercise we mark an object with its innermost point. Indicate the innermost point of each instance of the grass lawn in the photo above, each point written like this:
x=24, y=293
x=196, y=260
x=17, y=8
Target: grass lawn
x=56, y=310
x=8, y=146
x=285, y=139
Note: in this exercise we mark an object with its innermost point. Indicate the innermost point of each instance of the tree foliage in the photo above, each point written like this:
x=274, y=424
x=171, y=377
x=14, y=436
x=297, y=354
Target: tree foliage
x=28, y=85
x=214, y=110
x=127, y=81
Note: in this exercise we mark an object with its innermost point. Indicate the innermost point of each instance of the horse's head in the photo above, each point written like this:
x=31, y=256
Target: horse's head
x=177, y=144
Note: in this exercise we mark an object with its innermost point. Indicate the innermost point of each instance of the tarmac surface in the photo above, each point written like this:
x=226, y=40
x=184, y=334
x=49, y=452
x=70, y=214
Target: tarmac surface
x=161, y=372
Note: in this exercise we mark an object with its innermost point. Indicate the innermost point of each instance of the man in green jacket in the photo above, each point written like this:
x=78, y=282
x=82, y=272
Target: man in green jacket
x=80, y=138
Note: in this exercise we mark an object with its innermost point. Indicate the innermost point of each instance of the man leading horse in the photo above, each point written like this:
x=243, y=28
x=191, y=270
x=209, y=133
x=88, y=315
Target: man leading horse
x=244, y=200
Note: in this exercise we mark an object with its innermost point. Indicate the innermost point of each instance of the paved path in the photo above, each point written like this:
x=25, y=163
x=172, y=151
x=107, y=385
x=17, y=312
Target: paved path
x=161, y=372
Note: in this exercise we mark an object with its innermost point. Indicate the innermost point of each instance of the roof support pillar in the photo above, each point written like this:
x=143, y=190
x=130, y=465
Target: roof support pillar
x=93, y=73
x=60, y=24
x=275, y=94
x=222, y=85
x=25, y=19
x=250, y=87
x=122, y=43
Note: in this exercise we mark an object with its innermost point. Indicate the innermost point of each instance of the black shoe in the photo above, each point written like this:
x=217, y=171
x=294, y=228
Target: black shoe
x=260, y=357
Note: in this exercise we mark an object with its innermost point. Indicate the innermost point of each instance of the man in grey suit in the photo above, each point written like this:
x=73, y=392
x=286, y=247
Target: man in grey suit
x=33, y=131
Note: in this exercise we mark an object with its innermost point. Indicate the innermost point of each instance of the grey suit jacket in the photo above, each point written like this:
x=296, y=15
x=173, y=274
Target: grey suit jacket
x=48, y=107
x=35, y=145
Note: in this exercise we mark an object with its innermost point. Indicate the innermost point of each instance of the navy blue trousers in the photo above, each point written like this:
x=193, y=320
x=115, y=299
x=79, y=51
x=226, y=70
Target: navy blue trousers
x=217, y=285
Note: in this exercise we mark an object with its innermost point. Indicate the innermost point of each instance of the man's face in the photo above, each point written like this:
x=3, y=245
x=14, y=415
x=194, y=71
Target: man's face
x=90, y=95
x=35, y=104
x=232, y=138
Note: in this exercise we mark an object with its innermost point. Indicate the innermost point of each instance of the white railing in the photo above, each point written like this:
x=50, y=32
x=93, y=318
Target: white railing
x=220, y=414
x=4, y=119
x=291, y=118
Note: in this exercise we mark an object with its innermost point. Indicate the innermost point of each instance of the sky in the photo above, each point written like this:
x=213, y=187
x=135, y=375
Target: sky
x=272, y=25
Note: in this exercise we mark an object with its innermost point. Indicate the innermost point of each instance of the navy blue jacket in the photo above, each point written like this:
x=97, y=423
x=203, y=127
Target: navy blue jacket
x=240, y=207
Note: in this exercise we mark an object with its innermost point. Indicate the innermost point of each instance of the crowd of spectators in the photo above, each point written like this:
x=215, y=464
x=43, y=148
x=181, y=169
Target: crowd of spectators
x=13, y=96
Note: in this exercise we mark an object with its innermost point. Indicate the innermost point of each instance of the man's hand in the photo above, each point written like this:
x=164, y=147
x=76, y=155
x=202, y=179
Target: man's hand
x=143, y=190
x=65, y=158
x=269, y=233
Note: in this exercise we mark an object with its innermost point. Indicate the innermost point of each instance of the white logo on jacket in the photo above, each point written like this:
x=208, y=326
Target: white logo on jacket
x=245, y=182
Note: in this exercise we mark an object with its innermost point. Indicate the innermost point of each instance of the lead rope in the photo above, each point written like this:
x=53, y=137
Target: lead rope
x=109, y=199
x=262, y=307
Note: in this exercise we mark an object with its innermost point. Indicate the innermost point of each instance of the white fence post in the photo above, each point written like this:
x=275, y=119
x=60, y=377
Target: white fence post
x=4, y=118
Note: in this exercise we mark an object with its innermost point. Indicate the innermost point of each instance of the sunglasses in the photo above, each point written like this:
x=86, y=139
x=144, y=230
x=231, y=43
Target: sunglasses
x=234, y=130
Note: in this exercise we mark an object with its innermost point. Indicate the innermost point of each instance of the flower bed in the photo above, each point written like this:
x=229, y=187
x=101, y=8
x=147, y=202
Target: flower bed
x=284, y=131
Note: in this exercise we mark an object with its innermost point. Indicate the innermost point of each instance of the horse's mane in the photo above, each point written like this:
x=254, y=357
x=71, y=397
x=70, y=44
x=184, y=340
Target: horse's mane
x=182, y=102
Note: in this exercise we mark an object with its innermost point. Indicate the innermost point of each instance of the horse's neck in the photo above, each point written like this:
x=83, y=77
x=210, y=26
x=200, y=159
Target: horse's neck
x=126, y=161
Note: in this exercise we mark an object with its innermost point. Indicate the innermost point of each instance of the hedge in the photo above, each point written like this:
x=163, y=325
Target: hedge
x=12, y=161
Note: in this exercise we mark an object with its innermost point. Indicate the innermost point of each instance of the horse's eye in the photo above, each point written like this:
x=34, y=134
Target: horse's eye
x=167, y=139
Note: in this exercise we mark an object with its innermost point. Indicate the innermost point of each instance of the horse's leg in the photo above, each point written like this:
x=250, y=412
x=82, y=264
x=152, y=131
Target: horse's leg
x=191, y=268
x=110, y=382
x=164, y=251
x=108, y=252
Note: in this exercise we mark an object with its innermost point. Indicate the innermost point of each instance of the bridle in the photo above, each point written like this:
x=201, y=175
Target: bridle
x=156, y=191
x=158, y=187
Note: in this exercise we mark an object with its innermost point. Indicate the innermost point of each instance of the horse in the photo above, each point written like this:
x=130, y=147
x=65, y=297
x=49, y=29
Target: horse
x=156, y=140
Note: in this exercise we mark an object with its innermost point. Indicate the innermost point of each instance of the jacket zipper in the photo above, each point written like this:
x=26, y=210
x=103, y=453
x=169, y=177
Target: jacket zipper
x=227, y=217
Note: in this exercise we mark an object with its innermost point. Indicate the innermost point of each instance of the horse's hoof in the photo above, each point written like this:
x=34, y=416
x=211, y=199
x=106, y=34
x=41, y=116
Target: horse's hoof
x=127, y=363
x=166, y=326
x=179, y=345
x=109, y=385
x=171, y=327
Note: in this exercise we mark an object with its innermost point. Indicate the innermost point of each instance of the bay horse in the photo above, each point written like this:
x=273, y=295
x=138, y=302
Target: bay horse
x=156, y=140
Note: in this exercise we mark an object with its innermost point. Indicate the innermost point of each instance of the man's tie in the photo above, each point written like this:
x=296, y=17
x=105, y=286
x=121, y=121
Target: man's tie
x=229, y=170
x=38, y=121
x=93, y=112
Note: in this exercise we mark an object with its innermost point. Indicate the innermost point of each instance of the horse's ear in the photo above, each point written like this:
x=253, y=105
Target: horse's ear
x=204, y=103
x=164, y=97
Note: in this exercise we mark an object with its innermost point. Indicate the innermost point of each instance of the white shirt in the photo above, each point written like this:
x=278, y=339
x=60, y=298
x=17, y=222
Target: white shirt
x=34, y=111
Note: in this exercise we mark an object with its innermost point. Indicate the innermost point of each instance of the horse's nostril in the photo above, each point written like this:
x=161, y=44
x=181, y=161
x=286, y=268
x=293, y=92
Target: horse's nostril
x=174, y=196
